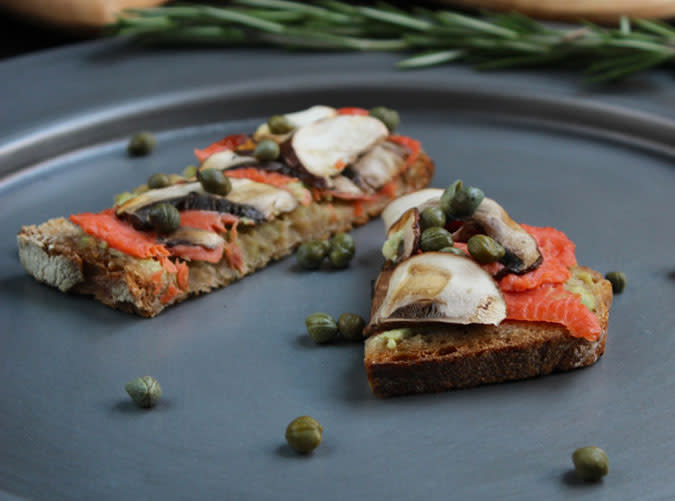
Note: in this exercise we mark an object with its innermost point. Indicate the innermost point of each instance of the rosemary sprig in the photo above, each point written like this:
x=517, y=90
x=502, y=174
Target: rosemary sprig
x=489, y=41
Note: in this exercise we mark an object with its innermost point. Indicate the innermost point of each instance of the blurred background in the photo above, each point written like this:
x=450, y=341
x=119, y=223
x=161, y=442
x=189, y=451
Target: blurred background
x=29, y=25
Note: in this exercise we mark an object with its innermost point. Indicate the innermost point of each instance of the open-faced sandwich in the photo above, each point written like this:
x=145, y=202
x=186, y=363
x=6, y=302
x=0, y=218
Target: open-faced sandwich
x=254, y=198
x=467, y=296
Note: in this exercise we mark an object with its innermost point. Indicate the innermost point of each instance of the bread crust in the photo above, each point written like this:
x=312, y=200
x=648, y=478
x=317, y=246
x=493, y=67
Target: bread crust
x=461, y=356
x=54, y=253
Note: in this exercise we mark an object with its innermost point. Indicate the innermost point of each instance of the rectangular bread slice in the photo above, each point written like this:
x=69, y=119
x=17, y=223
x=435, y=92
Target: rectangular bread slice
x=60, y=254
x=439, y=358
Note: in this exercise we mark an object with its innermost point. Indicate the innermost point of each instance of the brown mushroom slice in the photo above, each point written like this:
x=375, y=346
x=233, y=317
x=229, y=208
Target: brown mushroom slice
x=193, y=236
x=326, y=147
x=490, y=218
x=436, y=287
x=377, y=167
x=403, y=238
x=429, y=197
x=297, y=119
x=225, y=160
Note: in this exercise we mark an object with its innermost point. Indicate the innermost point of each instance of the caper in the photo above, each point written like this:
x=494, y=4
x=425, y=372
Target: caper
x=452, y=250
x=158, y=180
x=459, y=201
x=388, y=116
x=351, y=326
x=164, y=218
x=325, y=245
x=435, y=239
x=321, y=327
x=144, y=391
x=279, y=124
x=120, y=198
x=618, y=281
x=214, y=181
x=344, y=240
x=485, y=249
x=303, y=434
x=190, y=171
x=432, y=216
x=590, y=463
x=175, y=179
x=310, y=254
x=141, y=144
x=266, y=150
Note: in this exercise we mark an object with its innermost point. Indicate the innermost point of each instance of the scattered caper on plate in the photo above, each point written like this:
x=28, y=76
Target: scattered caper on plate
x=141, y=144
x=144, y=391
x=310, y=254
x=321, y=327
x=618, y=281
x=304, y=434
x=350, y=326
x=590, y=463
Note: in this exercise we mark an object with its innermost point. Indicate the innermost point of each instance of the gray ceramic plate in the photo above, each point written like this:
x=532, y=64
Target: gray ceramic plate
x=235, y=365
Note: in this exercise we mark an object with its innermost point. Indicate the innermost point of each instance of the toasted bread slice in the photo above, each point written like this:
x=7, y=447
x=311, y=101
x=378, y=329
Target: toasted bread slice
x=439, y=358
x=59, y=254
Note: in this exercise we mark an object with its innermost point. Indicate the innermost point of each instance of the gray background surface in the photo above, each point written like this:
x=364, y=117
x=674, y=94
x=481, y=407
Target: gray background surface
x=236, y=366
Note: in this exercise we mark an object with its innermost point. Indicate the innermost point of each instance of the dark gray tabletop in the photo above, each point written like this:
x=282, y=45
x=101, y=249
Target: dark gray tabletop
x=236, y=366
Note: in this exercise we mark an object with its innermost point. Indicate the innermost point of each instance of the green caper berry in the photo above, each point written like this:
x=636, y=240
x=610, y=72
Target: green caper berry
x=452, y=250
x=485, y=249
x=340, y=257
x=144, y=391
x=351, y=326
x=304, y=434
x=435, y=239
x=266, y=150
x=321, y=327
x=310, y=254
x=190, y=171
x=214, y=181
x=618, y=281
x=590, y=463
x=431, y=217
x=388, y=116
x=157, y=181
x=345, y=241
x=459, y=201
x=141, y=144
x=164, y=218
x=175, y=179
x=279, y=124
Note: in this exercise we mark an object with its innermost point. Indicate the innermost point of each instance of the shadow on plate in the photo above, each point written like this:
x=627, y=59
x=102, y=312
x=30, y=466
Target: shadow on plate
x=126, y=406
x=285, y=451
x=571, y=479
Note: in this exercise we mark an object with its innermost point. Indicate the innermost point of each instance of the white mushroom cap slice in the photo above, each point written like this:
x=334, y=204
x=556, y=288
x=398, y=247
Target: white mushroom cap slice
x=440, y=287
x=324, y=148
x=377, y=167
x=297, y=119
x=224, y=160
x=429, y=197
x=267, y=199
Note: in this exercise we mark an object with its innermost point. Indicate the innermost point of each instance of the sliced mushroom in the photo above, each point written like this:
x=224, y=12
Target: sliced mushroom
x=249, y=199
x=193, y=236
x=225, y=160
x=265, y=198
x=436, y=287
x=344, y=185
x=326, y=147
x=429, y=197
x=403, y=238
x=490, y=218
x=297, y=119
x=377, y=167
